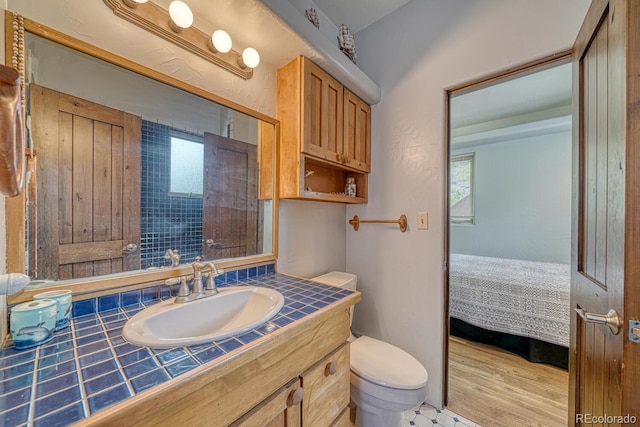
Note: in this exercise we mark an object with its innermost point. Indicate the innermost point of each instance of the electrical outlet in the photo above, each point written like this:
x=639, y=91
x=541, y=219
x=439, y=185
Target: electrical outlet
x=423, y=221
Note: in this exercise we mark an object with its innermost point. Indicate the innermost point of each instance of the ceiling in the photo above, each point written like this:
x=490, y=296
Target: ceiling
x=358, y=14
x=538, y=96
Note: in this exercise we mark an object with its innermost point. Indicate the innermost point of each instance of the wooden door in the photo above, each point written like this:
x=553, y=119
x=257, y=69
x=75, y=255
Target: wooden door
x=322, y=113
x=230, y=201
x=357, y=133
x=88, y=198
x=605, y=366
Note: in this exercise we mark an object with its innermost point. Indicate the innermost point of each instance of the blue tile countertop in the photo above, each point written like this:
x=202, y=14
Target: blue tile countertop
x=89, y=366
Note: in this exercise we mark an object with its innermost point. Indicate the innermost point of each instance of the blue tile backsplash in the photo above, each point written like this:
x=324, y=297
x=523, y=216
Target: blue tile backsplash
x=89, y=366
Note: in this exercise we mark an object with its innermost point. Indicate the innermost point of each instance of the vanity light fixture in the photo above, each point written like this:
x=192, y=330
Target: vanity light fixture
x=181, y=16
x=175, y=25
x=220, y=42
x=250, y=58
x=134, y=3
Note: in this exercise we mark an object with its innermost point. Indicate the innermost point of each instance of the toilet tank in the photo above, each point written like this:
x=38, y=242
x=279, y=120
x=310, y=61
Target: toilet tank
x=338, y=278
x=342, y=280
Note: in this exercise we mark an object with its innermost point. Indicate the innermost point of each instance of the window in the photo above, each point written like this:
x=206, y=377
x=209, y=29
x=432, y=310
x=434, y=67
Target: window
x=186, y=167
x=461, y=197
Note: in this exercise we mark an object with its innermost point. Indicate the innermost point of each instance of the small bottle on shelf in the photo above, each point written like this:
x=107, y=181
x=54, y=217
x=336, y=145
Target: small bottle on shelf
x=350, y=187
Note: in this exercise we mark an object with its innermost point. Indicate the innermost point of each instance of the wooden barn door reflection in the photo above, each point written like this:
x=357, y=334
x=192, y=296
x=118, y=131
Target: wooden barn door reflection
x=230, y=211
x=88, y=190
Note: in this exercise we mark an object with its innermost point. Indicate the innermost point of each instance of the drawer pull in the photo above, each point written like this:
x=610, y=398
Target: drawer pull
x=331, y=368
x=295, y=397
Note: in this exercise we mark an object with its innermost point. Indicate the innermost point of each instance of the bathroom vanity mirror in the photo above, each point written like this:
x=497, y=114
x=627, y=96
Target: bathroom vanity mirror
x=130, y=167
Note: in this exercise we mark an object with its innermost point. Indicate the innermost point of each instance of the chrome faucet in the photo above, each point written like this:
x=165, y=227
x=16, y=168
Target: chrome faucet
x=174, y=256
x=198, y=289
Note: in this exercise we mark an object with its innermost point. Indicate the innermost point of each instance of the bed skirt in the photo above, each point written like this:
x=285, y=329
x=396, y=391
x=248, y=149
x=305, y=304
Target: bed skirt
x=531, y=349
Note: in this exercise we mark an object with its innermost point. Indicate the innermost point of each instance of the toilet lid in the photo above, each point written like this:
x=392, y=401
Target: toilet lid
x=384, y=364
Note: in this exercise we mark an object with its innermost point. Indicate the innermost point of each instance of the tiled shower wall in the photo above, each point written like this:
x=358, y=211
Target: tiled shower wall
x=167, y=222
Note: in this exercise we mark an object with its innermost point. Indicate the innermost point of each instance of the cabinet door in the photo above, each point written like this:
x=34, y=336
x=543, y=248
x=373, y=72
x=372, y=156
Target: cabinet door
x=326, y=389
x=281, y=409
x=357, y=133
x=322, y=113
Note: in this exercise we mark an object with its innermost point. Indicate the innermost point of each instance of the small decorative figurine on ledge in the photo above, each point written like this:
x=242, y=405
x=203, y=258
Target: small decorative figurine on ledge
x=312, y=16
x=347, y=43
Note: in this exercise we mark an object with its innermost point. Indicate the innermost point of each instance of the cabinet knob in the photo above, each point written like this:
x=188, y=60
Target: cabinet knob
x=338, y=158
x=331, y=368
x=295, y=397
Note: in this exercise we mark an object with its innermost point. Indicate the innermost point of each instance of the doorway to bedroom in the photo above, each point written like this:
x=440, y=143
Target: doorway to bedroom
x=509, y=246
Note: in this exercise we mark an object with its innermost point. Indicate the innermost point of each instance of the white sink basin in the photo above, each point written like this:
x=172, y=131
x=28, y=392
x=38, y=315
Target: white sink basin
x=233, y=311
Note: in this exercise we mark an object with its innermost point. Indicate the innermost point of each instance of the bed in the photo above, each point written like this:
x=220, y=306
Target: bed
x=522, y=306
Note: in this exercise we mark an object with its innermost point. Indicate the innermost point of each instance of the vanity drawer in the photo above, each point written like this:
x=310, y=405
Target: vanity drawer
x=326, y=389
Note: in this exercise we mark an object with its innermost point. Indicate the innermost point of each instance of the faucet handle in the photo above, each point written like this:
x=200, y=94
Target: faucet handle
x=210, y=287
x=183, y=291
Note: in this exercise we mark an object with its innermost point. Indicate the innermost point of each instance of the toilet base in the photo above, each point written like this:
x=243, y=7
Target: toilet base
x=378, y=406
x=377, y=418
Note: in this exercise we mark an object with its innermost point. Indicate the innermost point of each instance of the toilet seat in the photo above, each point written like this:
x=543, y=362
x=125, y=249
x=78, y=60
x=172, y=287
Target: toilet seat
x=383, y=364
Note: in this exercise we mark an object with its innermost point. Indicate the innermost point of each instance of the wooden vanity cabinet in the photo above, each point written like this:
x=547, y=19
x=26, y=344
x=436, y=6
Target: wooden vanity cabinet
x=318, y=398
x=325, y=135
x=281, y=409
x=326, y=390
x=256, y=386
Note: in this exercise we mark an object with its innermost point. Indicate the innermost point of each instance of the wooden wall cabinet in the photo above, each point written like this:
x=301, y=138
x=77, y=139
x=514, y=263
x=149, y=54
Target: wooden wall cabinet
x=356, y=139
x=325, y=135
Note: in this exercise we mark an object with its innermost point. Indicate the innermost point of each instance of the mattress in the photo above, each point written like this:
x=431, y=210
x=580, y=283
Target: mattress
x=525, y=298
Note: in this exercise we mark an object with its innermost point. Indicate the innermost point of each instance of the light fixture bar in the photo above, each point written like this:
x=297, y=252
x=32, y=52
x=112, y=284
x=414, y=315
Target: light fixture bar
x=155, y=19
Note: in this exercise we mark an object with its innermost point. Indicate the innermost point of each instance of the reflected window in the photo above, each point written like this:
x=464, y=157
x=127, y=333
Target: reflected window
x=461, y=198
x=186, y=167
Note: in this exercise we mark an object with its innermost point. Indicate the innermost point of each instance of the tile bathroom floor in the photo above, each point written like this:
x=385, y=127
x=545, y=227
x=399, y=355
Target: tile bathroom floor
x=426, y=415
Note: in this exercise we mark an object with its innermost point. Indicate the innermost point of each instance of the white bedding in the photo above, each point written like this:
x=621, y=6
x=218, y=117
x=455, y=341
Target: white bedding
x=524, y=298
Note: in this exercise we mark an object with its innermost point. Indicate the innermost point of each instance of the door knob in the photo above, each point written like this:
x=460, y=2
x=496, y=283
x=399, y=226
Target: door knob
x=210, y=243
x=611, y=319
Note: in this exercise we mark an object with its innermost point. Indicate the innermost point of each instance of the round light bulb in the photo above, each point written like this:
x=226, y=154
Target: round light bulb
x=221, y=41
x=251, y=57
x=180, y=14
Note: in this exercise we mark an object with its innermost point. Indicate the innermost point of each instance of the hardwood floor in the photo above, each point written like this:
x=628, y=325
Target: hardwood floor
x=496, y=388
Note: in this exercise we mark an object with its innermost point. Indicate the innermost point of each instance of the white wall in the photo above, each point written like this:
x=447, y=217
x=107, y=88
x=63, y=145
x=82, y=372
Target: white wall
x=312, y=237
x=522, y=200
x=327, y=27
x=413, y=54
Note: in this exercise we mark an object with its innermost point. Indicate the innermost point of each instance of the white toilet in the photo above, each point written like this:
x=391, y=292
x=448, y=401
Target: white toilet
x=385, y=380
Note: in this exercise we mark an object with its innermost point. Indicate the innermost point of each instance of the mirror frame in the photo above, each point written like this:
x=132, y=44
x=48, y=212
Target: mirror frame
x=101, y=285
